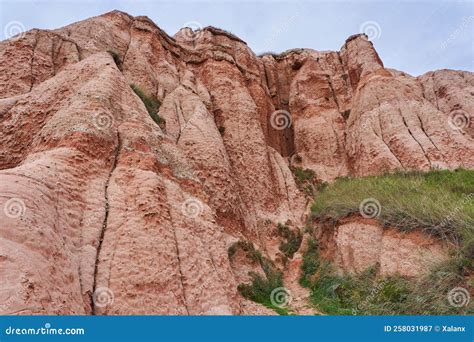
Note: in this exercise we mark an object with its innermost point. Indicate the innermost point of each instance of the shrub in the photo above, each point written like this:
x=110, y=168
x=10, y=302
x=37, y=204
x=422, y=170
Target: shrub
x=298, y=158
x=151, y=103
x=221, y=130
x=310, y=263
x=305, y=179
x=260, y=287
x=293, y=240
x=250, y=251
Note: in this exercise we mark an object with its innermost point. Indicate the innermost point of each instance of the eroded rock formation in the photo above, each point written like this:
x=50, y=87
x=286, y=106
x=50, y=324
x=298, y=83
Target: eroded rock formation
x=96, y=196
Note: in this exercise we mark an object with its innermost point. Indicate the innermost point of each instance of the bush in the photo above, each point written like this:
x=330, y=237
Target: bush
x=151, y=103
x=261, y=287
x=293, y=240
x=310, y=264
x=221, y=130
x=305, y=180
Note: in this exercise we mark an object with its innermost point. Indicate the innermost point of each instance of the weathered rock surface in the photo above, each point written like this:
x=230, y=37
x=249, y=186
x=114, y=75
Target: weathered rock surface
x=357, y=244
x=98, y=199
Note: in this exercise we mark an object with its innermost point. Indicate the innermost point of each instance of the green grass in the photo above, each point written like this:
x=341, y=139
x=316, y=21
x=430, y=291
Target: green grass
x=151, y=103
x=438, y=202
x=292, y=240
x=260, y=288
x=310, y=264
x=306, y=179
x=368, y=294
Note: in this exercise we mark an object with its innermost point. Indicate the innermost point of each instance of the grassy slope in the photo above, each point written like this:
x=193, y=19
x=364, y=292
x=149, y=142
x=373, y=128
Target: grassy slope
x=439, y=202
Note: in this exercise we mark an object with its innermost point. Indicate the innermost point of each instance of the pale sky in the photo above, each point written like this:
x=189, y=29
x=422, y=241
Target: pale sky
x=412, y=36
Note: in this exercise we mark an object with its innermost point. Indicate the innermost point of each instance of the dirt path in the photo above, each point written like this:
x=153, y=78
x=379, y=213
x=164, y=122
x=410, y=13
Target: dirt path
x=300, y=303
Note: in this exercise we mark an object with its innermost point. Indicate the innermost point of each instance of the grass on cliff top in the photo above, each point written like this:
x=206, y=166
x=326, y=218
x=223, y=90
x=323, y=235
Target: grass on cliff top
x=439, y=202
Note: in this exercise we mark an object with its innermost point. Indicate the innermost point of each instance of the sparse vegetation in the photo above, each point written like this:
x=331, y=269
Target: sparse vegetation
x=250, y=251
x=290, y=51
x=368, y=294
x=261, y=287
x=271, y=53
x=117, y=59
x=302, y=175
x=222, y=32
x=306, y=180
x=310, y=263
x=292, y=240
x=151, y=103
